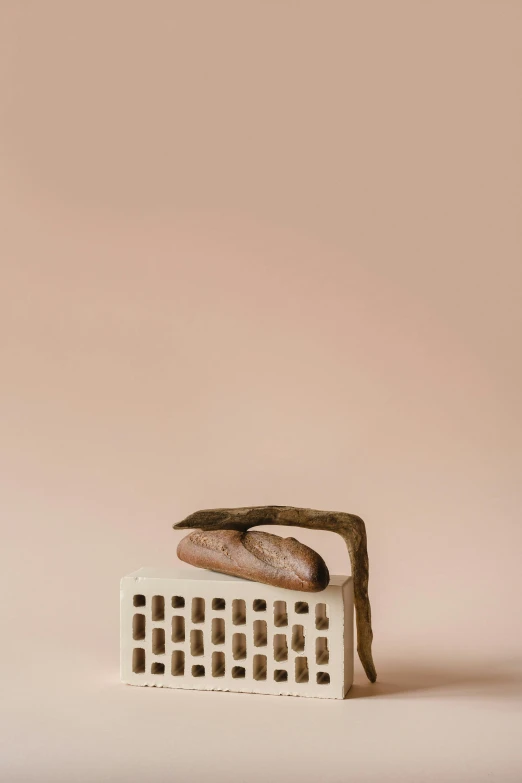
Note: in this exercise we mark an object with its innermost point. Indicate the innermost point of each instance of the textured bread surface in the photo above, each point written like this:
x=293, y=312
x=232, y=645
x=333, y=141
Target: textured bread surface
x=261, y=557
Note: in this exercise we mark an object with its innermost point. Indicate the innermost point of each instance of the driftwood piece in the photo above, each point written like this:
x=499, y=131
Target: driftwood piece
x=349, y=526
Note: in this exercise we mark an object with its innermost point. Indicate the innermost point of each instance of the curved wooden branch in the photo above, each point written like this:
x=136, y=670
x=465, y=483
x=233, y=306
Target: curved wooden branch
x=349, y=526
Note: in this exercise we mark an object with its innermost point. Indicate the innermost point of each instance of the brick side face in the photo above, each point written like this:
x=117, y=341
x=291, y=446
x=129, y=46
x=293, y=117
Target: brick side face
x=221, y=633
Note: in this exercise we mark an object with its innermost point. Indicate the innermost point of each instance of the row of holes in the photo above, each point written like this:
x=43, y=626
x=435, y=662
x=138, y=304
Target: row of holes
x=238, y=609
x=238, y=639
x=178, y=602
x=218, y=667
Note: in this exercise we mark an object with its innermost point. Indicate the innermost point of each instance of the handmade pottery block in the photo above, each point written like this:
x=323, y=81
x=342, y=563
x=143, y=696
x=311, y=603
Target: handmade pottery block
x=207, y=631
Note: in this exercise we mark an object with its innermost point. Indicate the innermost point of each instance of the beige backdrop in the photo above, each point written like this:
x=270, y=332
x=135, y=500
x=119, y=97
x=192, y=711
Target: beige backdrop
x=251, y=253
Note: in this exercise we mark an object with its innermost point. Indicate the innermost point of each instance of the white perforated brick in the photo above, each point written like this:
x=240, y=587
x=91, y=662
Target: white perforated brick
x=207, y=631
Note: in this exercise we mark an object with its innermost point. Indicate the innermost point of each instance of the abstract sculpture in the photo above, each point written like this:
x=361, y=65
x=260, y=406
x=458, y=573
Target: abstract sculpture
x=349, y=526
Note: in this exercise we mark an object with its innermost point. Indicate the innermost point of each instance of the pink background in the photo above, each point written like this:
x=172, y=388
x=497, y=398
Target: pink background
x=251, y=253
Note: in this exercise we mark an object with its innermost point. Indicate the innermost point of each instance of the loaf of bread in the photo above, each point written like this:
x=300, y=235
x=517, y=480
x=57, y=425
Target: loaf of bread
x=261, y=557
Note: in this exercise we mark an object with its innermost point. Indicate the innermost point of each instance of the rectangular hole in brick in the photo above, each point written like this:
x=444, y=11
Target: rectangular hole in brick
x=259, y=633
x=158, y=607
x=322, y=654
x=139, y=600
x=138, y=660
x=321, y=617
x=178, y=602
x=196, y=643
x=158, y=641
x=238, y=611
x=177, y=667
x=138, y=626
x=198, y=610
x=280, y=647
x=157, y=668
x=239, y=646
x=178, y=628
x=238, y=672
x=298, y=639
x=301, y=607
x=198, y=670
x=259, y=605
x=259, y=667
x=280, y=615
x=218, y=664
x=301, y=670
x=218, y=630
x=323, y=678
x=218, y=604
x=280, y=675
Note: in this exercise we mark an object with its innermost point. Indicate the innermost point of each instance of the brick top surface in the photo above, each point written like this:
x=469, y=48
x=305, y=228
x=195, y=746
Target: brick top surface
x=211, y=576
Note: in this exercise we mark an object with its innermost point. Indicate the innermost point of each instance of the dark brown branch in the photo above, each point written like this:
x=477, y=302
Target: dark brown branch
x=349, y=526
